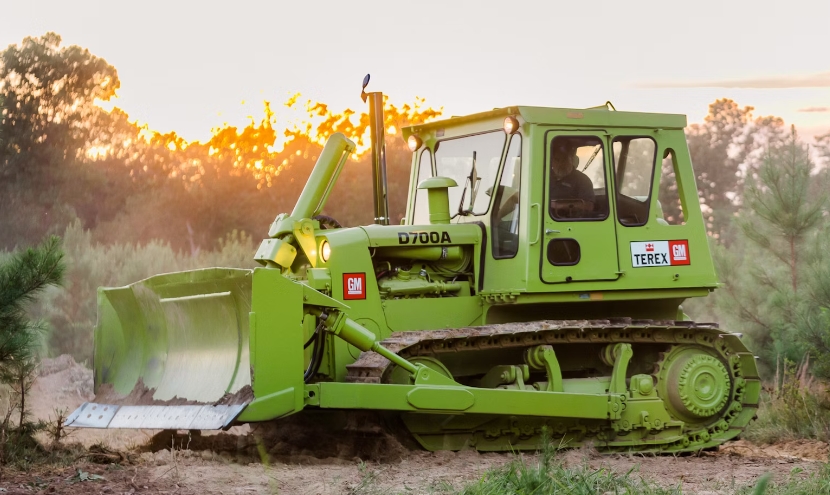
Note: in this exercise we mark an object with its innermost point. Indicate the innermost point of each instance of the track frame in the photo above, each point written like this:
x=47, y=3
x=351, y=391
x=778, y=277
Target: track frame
x=444, y=414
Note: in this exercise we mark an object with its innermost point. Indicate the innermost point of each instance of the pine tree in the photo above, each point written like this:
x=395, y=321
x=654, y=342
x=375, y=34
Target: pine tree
x=770, y=271
x=814, y=324
x=22, y=277
x=785, y=211
x=823, y=147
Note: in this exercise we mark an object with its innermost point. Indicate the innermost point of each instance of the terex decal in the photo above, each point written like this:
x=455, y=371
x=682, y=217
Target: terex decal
x=354, y=286
x=424, y=238
x=660, y=253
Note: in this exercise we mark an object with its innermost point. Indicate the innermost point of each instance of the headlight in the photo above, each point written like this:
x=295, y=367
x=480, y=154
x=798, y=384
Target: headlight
x=325, y=251
x=414, y=143
x=511, y=125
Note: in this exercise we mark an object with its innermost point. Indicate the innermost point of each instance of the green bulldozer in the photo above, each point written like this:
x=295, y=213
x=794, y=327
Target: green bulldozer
x=532, y=290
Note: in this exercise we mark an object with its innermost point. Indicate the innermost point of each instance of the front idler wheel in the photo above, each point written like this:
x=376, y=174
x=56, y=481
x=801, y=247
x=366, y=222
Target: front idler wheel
x=696, y=385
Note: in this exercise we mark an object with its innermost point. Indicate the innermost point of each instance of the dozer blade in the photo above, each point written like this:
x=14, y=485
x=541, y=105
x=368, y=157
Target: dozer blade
x=93, y=415
x=172, y=352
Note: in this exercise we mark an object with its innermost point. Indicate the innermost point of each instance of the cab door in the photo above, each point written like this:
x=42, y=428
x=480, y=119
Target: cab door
x=578, y=229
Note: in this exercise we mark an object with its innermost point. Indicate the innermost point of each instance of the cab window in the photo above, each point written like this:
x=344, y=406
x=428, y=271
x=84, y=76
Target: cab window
x=473, y=162
x=634, y=159
x=577, y=178
x=505, y=219
x=671, y=207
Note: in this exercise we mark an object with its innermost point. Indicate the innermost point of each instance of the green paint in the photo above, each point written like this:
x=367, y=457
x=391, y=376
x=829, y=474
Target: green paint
x=196, y=335
x=439, y=202
x=181, y=335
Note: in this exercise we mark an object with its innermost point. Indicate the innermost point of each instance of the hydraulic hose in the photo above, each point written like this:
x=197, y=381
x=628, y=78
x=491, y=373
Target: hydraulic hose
x=319, y=339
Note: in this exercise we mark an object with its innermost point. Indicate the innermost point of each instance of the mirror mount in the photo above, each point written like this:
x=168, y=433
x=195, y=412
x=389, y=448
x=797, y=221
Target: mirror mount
x=363, y=94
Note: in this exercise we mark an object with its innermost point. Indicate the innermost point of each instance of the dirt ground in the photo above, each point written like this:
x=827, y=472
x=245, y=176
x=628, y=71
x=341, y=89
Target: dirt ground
x=232, y=462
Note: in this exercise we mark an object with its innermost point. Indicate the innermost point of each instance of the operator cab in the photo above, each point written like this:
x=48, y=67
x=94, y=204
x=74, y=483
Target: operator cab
x=580, y=201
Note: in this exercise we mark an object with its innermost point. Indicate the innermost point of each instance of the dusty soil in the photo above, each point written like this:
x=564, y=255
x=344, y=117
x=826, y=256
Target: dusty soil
x=289, y=460
x=191, y=472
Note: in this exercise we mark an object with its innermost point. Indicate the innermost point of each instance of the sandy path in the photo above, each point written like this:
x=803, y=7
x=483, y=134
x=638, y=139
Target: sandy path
x=64, y=384
x=422, y=472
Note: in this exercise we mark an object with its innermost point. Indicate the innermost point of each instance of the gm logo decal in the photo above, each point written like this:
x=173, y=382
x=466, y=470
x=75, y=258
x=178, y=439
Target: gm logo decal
x=354, y=286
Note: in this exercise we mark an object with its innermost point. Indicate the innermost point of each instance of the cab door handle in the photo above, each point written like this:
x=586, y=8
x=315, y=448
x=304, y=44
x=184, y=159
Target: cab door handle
x=535, y=221
x=551, y=232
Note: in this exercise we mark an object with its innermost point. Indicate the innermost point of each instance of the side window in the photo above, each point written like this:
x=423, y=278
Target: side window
x=671, y=208
x=476, y=156
x=421, y=215
x=577, y=178
x=564, y=252
x=505, y=220
x=634, y=159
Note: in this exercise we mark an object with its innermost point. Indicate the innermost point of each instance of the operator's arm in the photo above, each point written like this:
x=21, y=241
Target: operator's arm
x=585, y=190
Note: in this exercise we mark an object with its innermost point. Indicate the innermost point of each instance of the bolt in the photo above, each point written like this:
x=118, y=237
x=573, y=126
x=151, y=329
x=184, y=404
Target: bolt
x=646, y=385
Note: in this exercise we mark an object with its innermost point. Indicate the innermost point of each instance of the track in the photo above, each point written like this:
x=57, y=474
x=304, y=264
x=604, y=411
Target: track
x=662, y=349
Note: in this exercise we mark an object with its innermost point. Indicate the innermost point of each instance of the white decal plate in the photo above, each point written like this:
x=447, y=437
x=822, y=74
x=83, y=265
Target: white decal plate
x=660, y=253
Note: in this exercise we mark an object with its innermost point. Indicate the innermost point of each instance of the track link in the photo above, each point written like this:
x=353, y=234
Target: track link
x=728, y=423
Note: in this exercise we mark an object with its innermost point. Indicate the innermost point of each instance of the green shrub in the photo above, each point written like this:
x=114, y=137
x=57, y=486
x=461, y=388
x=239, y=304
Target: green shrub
x=795, y=408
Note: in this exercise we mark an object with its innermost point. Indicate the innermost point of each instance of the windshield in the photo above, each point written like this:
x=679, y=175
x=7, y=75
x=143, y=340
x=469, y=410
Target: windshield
x=454, y=159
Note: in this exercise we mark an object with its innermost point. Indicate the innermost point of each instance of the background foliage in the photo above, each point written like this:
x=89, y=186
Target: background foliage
x=23, y=275
x=131, y=202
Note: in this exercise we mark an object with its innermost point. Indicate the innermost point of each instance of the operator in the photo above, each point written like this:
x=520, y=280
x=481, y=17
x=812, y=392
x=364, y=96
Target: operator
x=571, y=191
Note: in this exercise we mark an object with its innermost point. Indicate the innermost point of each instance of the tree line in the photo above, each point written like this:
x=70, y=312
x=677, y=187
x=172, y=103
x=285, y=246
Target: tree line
x=63, y=158
x=116, y=188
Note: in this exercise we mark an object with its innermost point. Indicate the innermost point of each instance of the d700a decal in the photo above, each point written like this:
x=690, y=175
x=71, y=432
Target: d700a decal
x=424, y=238
x=660, y=253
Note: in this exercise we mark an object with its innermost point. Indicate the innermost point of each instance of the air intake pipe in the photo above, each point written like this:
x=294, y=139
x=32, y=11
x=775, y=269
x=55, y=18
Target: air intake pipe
x=438, y=198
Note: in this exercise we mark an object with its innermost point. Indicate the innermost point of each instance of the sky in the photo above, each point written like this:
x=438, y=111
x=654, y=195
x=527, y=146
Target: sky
x=192, y=66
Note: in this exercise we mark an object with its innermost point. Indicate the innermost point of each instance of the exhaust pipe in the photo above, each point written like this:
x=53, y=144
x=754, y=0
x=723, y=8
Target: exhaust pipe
x=378, y=141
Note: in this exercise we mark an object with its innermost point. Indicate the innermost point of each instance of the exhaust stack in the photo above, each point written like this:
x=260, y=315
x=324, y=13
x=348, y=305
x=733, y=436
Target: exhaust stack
x=378, y=141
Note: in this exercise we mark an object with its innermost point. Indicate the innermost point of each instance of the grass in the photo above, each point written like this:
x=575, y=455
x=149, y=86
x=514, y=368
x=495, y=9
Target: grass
x=796, y=407
x=23, y=452
x=368, y=481
x=549, y=475
x=520, y=478
x=813, y=484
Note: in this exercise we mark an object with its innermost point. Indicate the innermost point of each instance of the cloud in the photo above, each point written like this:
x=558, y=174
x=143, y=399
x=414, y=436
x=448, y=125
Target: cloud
x=820, y=80
x=814, y=109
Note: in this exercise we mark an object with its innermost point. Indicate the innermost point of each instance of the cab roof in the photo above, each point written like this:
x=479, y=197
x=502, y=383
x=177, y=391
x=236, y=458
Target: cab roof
x=601, y=116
